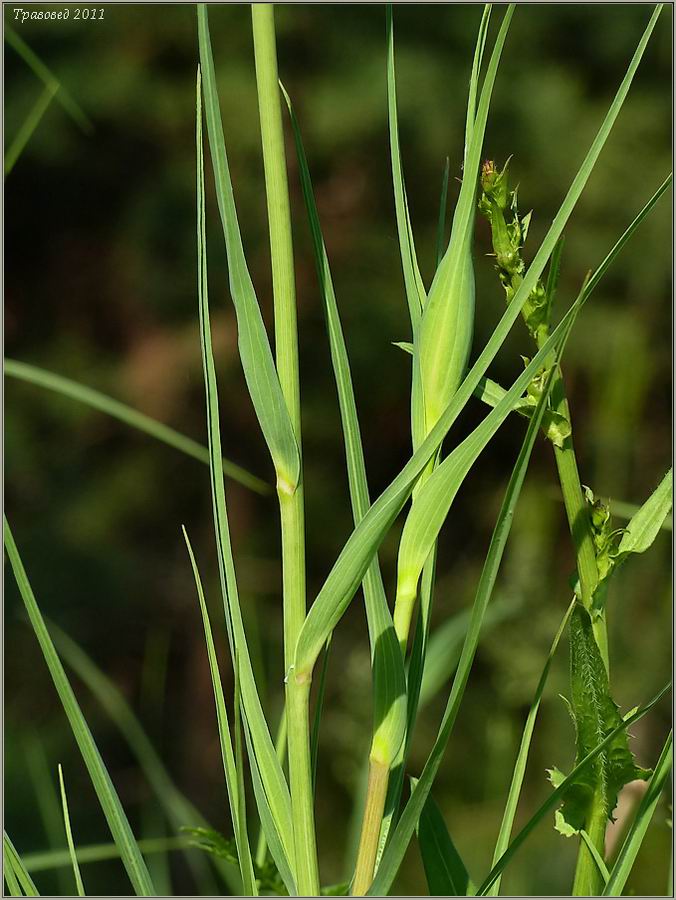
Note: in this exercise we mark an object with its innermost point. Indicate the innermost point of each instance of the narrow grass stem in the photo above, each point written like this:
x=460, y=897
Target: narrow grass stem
x=290, y=496
x=376, y=793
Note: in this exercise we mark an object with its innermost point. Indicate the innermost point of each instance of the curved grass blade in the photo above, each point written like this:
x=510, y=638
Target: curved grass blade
x=394, y=853
x=69, y=837
x=522, y=758
x=48, y=78
x=268, y=766
x=445, y=871
x=556, y=796
x=44, y=861
x=254, y=347
x=18, y=880
x=632, y=844
x=646, y=523
x=105, y=791
x=233, y=775
x=101, y=402
x=176, y=806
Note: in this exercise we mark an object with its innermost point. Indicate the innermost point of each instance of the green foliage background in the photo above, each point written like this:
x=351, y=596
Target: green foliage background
x=100, y=284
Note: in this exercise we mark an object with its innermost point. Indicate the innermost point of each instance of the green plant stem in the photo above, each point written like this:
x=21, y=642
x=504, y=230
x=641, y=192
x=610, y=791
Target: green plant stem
x=290, y=496
x=588, y=878
x=376, y=793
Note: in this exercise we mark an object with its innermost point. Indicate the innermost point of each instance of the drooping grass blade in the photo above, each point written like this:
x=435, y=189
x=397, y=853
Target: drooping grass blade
x=632, y=844
x=102, y=402
x=44, y=861
x=69, y=837
x=108, y=798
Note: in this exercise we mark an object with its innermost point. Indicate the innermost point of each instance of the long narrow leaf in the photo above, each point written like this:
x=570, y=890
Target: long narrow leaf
x=272, y=777
x=232, y=775
x=445, y=871
x=69, y=837
x=21, y=884
x=66, y=387
x=110, y=802
x=254, y=347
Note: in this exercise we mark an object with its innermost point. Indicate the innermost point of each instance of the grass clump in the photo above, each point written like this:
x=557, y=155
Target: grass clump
x=271, y=784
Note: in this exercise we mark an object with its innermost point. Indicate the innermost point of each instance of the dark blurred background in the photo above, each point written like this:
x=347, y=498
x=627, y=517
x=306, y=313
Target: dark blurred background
x=100, y=286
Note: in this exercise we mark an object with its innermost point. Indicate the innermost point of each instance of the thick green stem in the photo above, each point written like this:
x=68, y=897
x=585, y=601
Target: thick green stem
x=290, y=496
x=588, y=879
x=577, y=512
x=376, y=793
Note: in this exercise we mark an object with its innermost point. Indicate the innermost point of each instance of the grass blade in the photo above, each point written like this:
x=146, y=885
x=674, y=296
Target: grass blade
x=445, y=871
x=18, y=880
x=69, y=837
x=45, y=861
x=632, y=844
x=645, y=524
x=48, y=78
x=28, y=126
x=556, y=795
x=232, y=774
x=254, y=347
x=443, y=201
x=522, y=758
x=66, y=387
x=272, y=778
x=105, y=791
x=176, y=806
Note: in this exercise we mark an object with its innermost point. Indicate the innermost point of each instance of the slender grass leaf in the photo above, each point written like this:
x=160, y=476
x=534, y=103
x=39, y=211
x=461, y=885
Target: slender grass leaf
x=47, y=798
x=69, y=837
x=105, y=791
x=176, y=806
x=632, y=844
x=95, y=853
x=96, y=400
x=48, y=78
x=18, y=879
x=28, y=126
x=557, y=794
x=445, y=871
x=254, y=347
x=268, y=766
x=522, y=758
x=232, y=774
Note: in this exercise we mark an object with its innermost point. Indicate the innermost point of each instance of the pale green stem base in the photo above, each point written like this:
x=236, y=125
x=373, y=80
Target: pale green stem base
x=376, y=794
